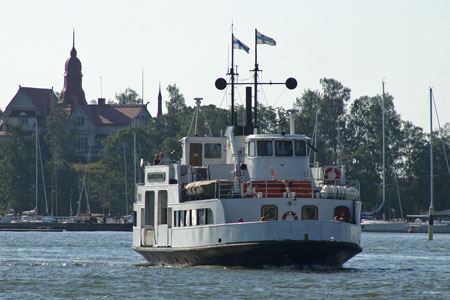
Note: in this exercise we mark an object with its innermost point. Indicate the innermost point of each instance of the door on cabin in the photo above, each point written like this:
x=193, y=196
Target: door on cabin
x=195, y=157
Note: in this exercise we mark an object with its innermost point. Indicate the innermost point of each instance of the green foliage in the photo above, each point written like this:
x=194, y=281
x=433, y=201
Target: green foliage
x=176, y=103
x=129, y=96
x=17, y=161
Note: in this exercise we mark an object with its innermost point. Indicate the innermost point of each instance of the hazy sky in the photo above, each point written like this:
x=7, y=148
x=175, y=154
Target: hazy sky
x=359, y=43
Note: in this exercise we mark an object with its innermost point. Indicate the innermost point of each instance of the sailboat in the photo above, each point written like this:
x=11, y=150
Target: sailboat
x=430, y=227
x=383, y=225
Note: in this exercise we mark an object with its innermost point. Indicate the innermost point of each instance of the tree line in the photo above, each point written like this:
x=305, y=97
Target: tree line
x=346, y=132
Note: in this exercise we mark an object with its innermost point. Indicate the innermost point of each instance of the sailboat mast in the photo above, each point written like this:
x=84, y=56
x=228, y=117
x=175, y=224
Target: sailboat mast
x=37, y=171
x=431, y=209
x=384, y=154
x=256, y=78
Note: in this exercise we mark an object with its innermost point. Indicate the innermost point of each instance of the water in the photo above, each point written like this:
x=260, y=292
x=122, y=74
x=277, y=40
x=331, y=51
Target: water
x=101, y=265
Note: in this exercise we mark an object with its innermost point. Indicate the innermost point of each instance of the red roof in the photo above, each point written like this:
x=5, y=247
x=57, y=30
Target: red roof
x=112, y=114
x=39, y=97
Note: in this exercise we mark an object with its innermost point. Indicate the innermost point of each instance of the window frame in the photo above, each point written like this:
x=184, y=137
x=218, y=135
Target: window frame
x=304, y=213
x=289, y=151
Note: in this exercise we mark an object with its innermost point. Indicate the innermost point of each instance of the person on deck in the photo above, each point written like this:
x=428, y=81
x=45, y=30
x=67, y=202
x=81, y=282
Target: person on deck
x=156, y=161
x=162, y=158
x=198, y=175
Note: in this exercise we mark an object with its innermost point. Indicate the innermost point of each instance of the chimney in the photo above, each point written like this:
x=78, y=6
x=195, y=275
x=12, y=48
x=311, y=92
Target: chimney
x=248, y=109
x=101, y=101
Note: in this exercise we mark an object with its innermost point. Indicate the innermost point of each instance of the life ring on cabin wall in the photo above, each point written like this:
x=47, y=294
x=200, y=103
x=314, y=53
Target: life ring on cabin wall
x=290, y=213
x=328, y=176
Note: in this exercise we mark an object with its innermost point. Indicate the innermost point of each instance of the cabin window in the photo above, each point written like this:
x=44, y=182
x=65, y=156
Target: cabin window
x=194, y=217
x=251, y=149
x=188, y=218
x=209, y=216
x=213, y=150
x=310, y=212
x=176, y=218
x=149, y=208
x=201, y=215
x=162, y=205
x=156, y=177
x=269, y=212
x=342, y=213
x=283, y=148
x=265, y=148
x=134, y=218
x=300, y=148
x=182, y=218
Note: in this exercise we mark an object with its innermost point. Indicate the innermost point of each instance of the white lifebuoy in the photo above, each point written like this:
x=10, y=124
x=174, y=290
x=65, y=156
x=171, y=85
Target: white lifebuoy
x=290, y=213
x=329, y=174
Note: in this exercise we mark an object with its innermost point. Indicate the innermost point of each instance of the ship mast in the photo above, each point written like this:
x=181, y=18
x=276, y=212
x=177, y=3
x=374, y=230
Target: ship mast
x=256, y=79
x=233, y=119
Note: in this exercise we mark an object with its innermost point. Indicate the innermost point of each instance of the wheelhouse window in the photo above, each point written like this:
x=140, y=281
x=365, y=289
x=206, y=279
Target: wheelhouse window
x=283, y=148
x=300, y=148
x=269, y=212
x=213, y=150
x=251, y=149
x=310, y=212
x=265, y=148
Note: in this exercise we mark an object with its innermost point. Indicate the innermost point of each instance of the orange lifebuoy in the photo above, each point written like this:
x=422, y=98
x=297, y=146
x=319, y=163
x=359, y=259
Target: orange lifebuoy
x=290, y=213
x=334, y=170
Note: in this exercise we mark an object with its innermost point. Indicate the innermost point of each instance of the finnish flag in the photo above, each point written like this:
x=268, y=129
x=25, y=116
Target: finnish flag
x=263, y=39
x=237, y=44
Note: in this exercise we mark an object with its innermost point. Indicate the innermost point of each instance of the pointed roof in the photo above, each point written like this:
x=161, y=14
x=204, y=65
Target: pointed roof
x=159, y=113
x=112, y=114
x=39, y=97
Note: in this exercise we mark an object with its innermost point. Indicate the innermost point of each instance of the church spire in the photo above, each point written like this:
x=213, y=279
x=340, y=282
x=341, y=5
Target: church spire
x=72, y=93
x=159, y=102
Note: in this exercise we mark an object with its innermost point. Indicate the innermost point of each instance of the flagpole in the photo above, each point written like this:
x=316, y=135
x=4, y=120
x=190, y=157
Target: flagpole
x=256, y=79
x=233, y=122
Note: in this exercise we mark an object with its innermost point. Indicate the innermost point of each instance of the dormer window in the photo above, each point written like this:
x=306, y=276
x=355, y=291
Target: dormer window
x=23, y=120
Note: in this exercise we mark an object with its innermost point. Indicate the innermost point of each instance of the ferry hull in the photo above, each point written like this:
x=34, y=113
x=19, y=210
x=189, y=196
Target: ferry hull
x=255, y=254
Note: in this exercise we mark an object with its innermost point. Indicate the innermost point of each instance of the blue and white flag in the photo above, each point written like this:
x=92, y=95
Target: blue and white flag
x=262, y=39
x=237, y=44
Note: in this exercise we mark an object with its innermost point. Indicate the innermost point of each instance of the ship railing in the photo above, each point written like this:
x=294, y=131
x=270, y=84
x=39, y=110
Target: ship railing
x=278, y=189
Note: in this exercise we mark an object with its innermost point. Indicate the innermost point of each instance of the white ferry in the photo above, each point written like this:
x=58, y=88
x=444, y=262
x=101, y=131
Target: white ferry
x=258, y=203
x=246, y=199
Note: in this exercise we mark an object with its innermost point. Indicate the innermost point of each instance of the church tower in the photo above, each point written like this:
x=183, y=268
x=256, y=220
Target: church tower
x=159, y=113
x=72, y=94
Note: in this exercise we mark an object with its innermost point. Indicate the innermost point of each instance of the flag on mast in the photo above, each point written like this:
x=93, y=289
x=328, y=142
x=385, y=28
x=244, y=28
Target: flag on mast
x=263, y=39
x=237, y=44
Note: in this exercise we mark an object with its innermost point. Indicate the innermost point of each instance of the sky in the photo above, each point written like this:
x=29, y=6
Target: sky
x=144, y=43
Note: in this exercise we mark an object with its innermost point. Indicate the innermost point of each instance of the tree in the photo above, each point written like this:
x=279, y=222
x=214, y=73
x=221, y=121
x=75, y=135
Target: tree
x=17, y=170
x=129, y=96
x=330, y=105
x=176, y=103
x=60, y=143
